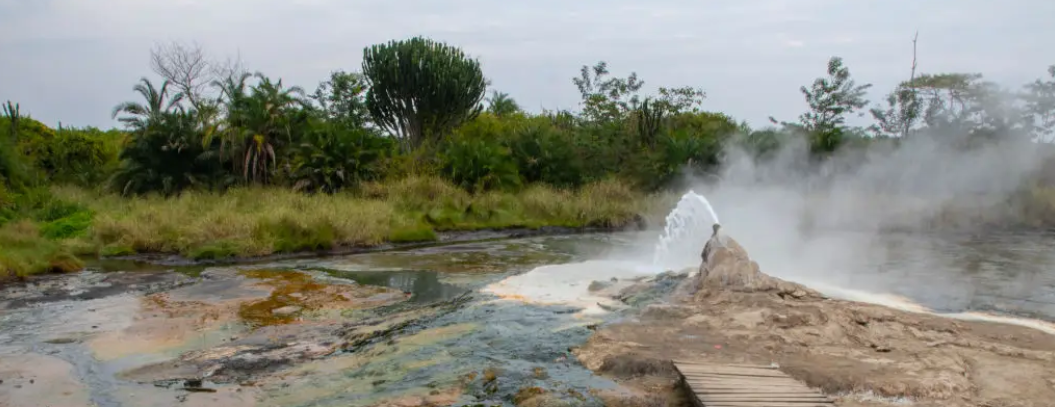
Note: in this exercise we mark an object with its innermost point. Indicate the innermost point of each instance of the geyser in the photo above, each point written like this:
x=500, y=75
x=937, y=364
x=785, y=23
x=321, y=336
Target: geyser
x=685, y=232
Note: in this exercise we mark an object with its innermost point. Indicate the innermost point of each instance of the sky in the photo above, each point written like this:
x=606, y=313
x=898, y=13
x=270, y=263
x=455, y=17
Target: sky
x=71, y=61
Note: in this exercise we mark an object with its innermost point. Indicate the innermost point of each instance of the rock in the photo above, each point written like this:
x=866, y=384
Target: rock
x=599, y=285
x=61, y=341
x=666, y=311
x=286, y=311
x=727, y=268
x=613, y=307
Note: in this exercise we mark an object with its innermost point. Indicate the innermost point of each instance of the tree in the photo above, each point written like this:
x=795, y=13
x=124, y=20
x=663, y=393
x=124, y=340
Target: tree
x=14, y=170
x=903, y=106
x=946, y=97
x=899, y=118
x=260, y=122
x=651, y=114
x=680, y=100
x=186, y=67
x=167, y=156
x=420, y=89
x=13, y=113
x=342, y=99
x=963, y=104
x=830, y=100
x=501, y=105
x=606, y=99
x=1040, y=106
x=158, y=102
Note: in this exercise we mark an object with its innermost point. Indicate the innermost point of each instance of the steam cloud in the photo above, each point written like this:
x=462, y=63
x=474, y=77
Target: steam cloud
x=865, y=218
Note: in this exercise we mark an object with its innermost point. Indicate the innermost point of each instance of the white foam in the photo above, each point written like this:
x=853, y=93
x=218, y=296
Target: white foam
x=568, y=284
x=904, y=304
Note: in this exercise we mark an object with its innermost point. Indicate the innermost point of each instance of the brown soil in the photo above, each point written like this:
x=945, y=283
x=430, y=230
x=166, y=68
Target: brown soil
x=863, y=355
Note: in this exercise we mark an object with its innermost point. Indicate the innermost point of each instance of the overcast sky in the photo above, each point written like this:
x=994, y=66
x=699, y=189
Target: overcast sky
x=73, y=60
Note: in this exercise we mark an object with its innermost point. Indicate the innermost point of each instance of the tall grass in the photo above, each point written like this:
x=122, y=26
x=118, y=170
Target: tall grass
x=260, y=221
x=24, y=251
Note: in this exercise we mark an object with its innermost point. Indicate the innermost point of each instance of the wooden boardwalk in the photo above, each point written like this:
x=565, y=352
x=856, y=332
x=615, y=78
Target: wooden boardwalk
x=713, y=385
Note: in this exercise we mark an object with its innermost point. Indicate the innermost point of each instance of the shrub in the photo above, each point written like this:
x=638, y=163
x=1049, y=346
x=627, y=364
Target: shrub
x=330, y=158
x=479, y=165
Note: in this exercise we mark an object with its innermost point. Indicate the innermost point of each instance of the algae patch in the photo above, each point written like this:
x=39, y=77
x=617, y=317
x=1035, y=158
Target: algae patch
x=295, y=294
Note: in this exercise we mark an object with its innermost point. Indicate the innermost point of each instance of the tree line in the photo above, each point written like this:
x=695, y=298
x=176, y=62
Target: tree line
x=423, y=107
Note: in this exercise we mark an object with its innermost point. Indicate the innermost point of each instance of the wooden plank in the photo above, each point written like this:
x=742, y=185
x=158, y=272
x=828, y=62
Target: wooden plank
x=765, y=404
x=754, y=379
x=709, y=402
x=744, y=390
x=747, y=374
x=743, y=365
x=746, y=386
x=726, y=385
x=726, y=367
x=797, y=398
x=758, y=381
x=734, y=372
x=768, y=404
x=733, y=385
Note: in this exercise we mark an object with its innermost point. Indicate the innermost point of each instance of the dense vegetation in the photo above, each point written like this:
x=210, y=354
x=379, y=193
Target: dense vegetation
x=215, y=161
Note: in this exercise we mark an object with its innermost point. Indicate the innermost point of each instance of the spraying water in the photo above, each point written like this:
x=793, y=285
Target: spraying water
x=687, y=228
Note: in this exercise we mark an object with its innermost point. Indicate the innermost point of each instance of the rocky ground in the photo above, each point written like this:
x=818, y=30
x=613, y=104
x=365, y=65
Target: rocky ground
x=166, y=339
x=258, y=337
x=861, y=354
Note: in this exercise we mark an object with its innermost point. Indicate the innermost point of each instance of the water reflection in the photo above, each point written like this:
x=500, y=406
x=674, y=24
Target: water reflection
x=424, y=285
x=1012, y=273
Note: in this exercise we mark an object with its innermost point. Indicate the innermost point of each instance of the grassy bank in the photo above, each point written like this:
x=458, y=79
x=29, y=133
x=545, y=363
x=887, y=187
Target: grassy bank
x=262, y=221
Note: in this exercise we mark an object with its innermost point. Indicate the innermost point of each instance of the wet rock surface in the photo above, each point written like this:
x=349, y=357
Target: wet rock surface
x=864, y=355
x=331, y=332
x=86, y=285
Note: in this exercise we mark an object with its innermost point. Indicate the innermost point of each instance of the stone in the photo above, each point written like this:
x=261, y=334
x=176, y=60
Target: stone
x=599, y=285
x=286, y=311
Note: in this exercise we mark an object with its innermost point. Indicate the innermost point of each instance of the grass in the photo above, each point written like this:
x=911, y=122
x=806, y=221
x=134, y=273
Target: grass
x=53, y=228
x=24, y=251
x=261, y=221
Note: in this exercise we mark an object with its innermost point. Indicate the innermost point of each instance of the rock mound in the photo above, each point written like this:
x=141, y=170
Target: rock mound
x=726, y=268
x=863, y=355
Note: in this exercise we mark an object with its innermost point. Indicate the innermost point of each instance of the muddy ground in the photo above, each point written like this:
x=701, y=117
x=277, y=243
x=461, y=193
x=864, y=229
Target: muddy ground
x=861, y=354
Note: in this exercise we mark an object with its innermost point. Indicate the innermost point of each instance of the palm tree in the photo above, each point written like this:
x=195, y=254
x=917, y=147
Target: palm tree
x=260, y=120
x=139, y=116
x=232, y=94
x=500, y=104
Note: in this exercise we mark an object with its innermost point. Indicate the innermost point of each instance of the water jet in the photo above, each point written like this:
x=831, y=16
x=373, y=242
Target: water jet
x=683, y=235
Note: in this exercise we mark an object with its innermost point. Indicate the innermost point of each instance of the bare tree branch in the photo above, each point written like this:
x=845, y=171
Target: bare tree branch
x=232, y=67
x=187, y=67
x=911, y=81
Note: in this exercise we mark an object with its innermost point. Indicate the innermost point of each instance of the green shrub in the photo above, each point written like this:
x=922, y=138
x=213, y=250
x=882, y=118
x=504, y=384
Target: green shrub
x=545, y=153
x=73, y=225
x=330, y=158
x=479, y=165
